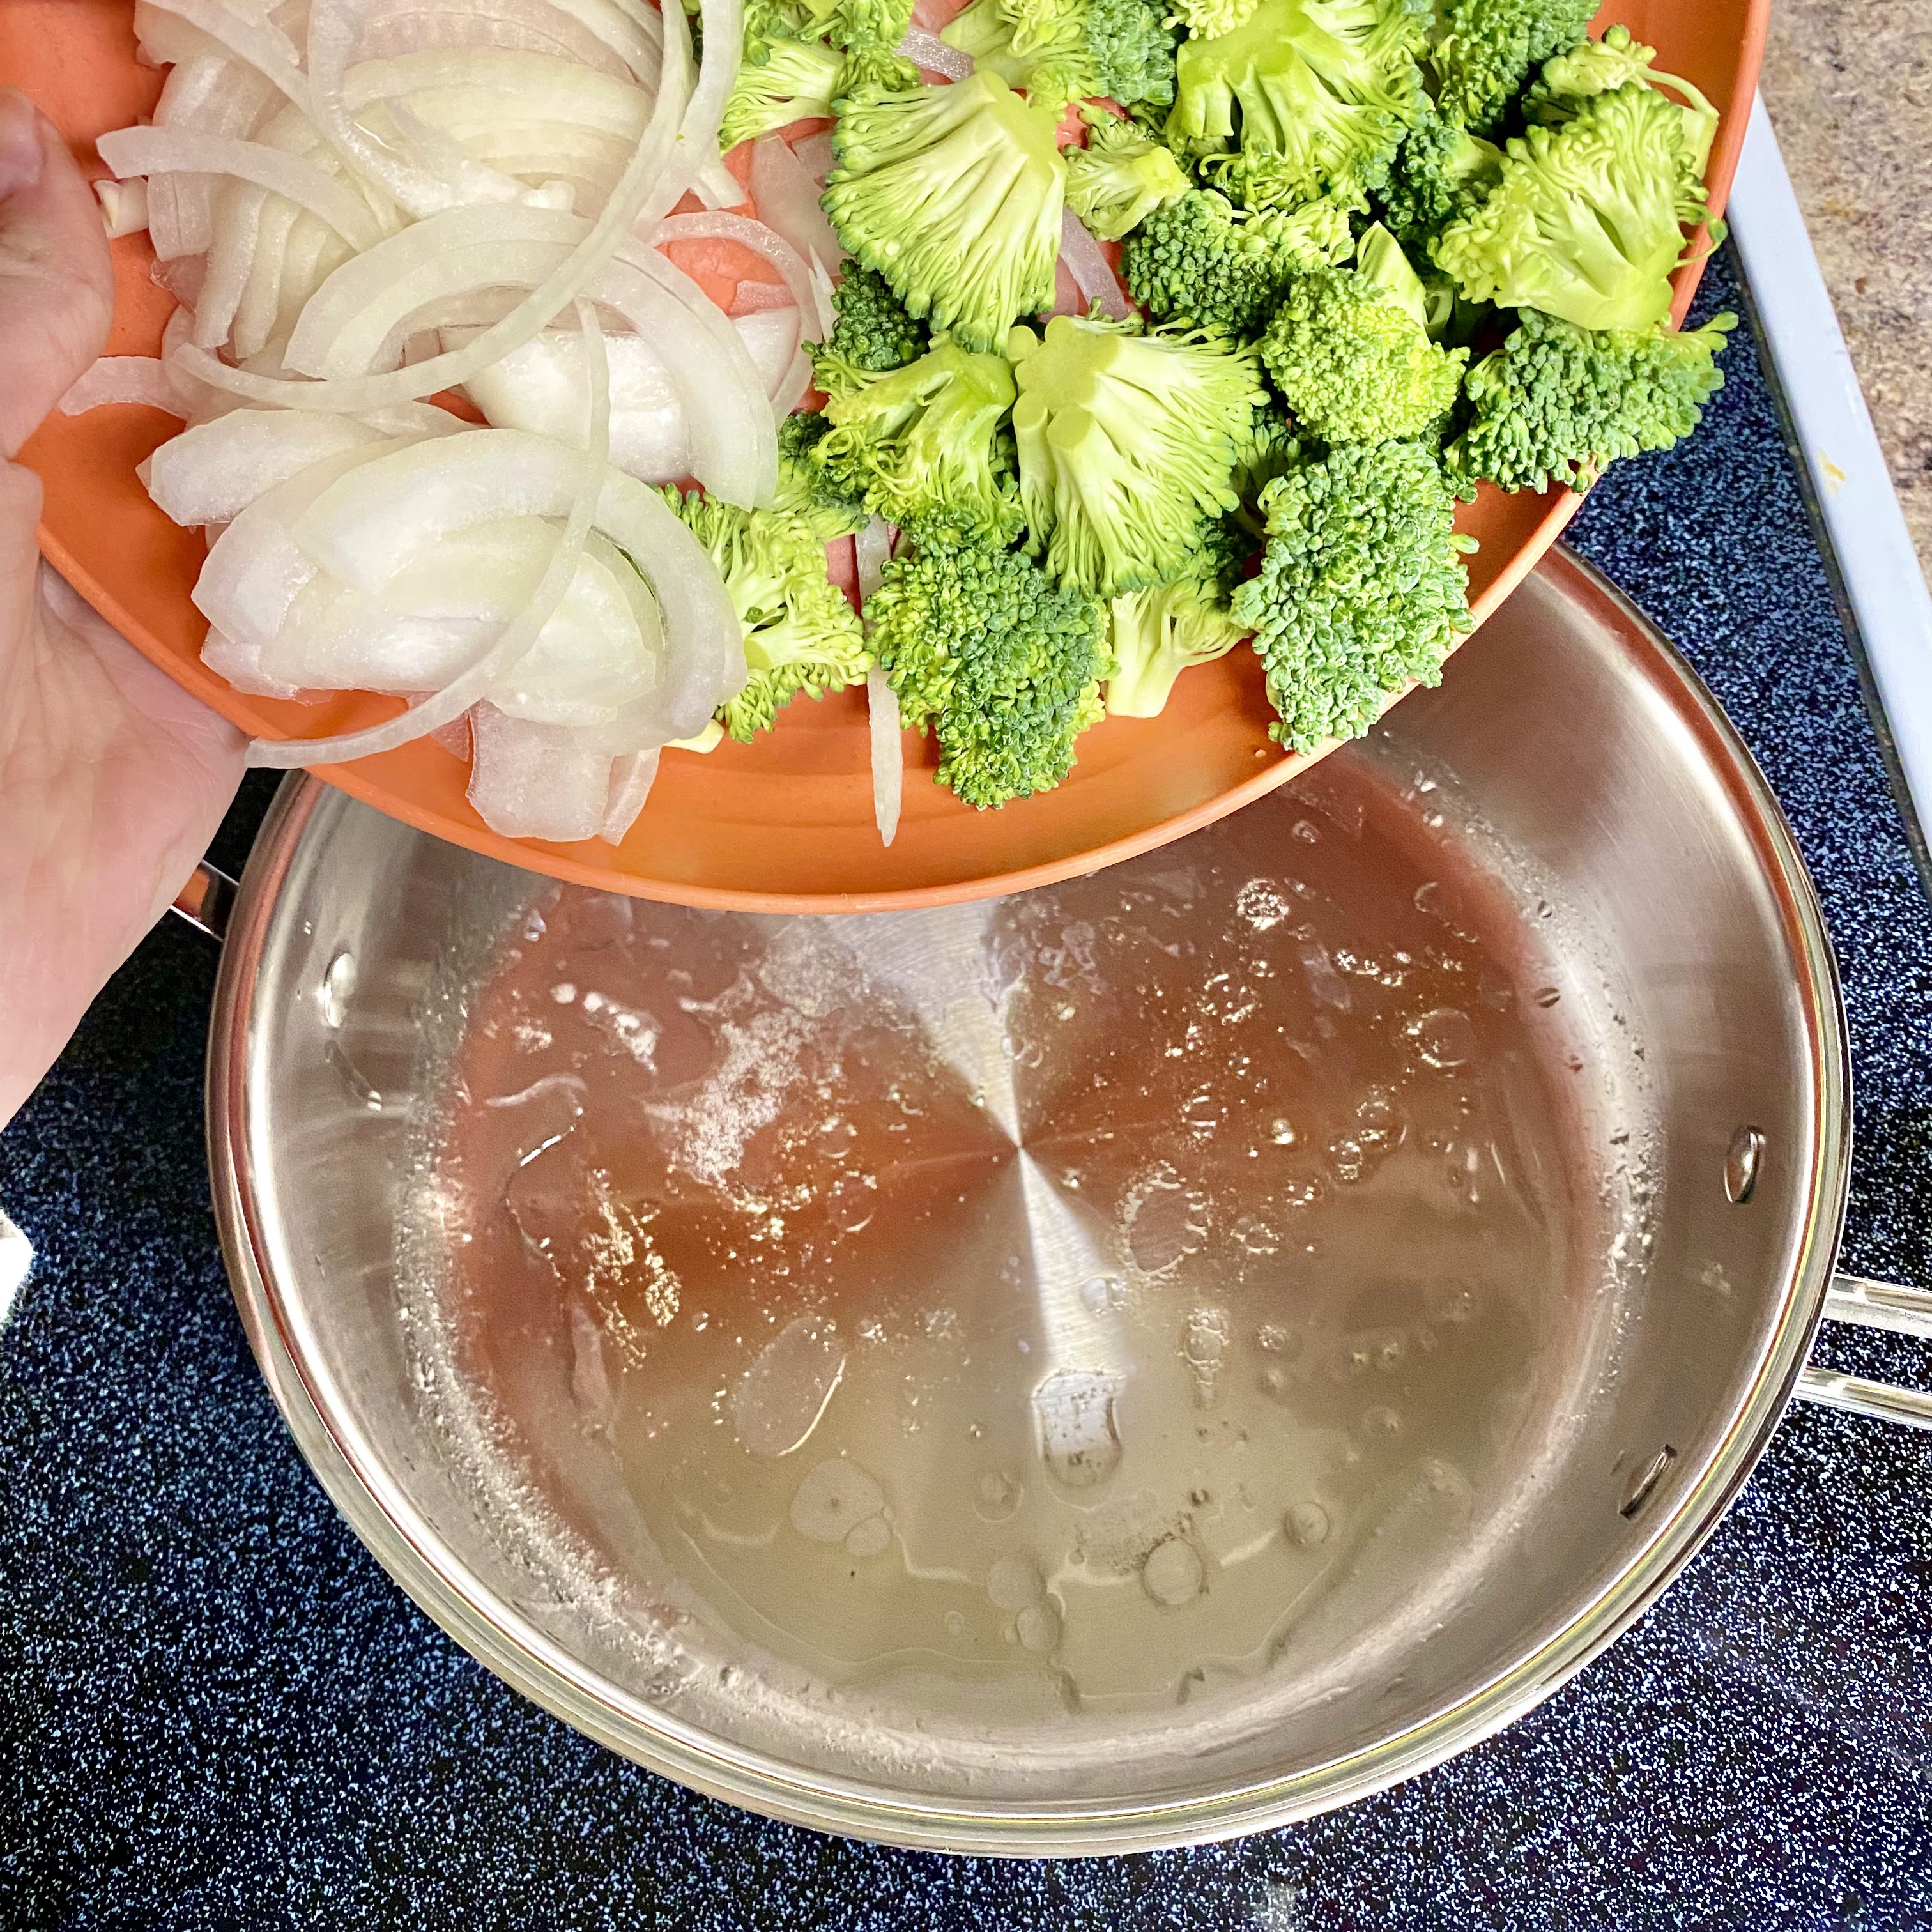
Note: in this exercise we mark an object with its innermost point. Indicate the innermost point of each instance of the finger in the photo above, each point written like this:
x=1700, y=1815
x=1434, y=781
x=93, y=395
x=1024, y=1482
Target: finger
x=56, y=281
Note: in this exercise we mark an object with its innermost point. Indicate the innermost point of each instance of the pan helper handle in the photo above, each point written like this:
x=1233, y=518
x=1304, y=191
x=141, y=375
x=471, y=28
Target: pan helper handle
x=1873, y=1304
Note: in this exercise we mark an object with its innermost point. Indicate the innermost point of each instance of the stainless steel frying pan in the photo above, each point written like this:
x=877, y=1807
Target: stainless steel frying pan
x=1556, y=1473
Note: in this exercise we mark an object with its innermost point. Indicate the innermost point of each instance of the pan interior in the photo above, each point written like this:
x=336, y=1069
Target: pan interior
x=1076, y=1348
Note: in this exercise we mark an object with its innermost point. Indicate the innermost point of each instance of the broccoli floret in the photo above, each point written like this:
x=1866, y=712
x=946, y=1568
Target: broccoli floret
x=1157, y=634
x=868, y=30
x=1062, y=50
x=1001, y=665
x=1270, y=449
x=1555, y=403
x=924, y=440
x=1584, y=222
x=1125, y=442
x=1440, y=171
x=800, y=633
x=805, y=489
x=1360, y=590
x=781, y=79
x=1131, y=47
x=956, y=195
x=1618, y=60
x=1197, y=261
x=1355, y=364
x=1484, y=50
x=1317, y=92
x=872, y=332
x=1208, y=19
x=1120, y=178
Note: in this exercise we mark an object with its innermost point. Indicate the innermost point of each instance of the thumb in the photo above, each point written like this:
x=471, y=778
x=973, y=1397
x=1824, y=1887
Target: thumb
x=56, y=282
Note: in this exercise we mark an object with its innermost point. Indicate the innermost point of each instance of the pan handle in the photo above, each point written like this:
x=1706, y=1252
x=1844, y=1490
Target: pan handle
x=206, y=900
x=1873, y=1304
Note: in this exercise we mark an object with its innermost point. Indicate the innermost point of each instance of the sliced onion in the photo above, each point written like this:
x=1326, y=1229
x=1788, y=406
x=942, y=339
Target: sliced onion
x=211, y=474
x=761, y=298
x=631, y=781
x=537, y=388
x=703, y=165
x=238, y=234
x=530, y=115
x=364, y=311
x=1089, y=267
x=605, y=39
x=454, y=738
x=125, y=379
x=642, y=196
x=929, y=52
x=210, y=94
x=883, y=729
x=123, y=206
x=794, y=385
x=874, y=545
x=530, y=781
x=255, y=570
x=814, y=153
x=150, y=151
x=334, y=28
x=787, y=199
x=734, y=436
x=445, y=706
x=770, y=337
x=762, y=240
x=240, y=664
x=249, y=35
x=406, y=504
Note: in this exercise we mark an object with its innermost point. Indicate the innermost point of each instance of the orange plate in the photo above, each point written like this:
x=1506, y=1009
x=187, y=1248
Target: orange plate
x=785, y=824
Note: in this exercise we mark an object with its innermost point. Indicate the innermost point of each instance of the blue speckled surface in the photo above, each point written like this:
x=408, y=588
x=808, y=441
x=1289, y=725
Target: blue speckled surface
x=215, y=1711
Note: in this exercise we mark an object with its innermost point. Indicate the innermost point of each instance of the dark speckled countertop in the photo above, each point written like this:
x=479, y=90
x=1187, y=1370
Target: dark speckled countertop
x=216, y=1712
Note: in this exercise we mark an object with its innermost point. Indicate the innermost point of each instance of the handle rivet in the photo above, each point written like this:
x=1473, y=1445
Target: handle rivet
x=1646, y=1480
x=1741, y=1163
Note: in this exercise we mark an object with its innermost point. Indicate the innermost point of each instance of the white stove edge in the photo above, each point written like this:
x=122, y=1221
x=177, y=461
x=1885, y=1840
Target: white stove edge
x=1883, y=582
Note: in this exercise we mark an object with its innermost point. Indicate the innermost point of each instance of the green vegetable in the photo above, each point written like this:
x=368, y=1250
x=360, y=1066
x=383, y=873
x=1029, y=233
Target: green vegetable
x=1618, y=60
x=1555, y=403
x=1062, y=50
x=1157, y=633
x=1126, y=442
x=871, y=332
x=1270, y=448
x=800, y=633
x=954, y=195
x=1349, y=352
x=1484, y=50
x=1198, y=262
x=1209, y=19
x=1317, y=92
x=1120, y=178
x=1585, y=223
x=1441, y=171
x=923, y=440
x=781, y=79
x=1002, y=667
x=1360, y=590
x=805, y=489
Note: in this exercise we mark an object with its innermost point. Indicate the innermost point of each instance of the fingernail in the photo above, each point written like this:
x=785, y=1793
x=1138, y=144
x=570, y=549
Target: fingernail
x=20, y=142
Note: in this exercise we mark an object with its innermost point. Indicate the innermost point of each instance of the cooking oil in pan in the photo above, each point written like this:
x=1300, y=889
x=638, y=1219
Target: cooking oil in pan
x=1063, y=1298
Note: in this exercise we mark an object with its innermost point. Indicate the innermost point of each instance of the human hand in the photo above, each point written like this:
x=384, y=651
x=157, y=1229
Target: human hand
x=113, y=779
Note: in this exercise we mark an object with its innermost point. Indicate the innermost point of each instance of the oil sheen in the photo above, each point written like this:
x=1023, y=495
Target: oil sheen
x=1062, y=1296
